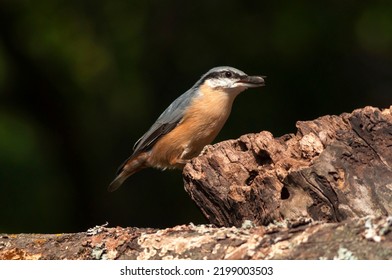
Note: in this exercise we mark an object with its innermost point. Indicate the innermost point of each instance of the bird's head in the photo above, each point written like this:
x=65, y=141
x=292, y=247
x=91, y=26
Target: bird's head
x=230, y=80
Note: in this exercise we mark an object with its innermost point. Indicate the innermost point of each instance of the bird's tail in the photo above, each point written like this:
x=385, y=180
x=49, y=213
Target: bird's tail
x=132, y=165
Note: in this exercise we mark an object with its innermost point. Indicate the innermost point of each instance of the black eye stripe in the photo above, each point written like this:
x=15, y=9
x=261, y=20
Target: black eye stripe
x=219, y=74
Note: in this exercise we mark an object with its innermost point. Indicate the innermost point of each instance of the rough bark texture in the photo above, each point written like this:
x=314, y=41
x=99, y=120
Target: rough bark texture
x=323, y=193
x=333, y=168
x=366, y=238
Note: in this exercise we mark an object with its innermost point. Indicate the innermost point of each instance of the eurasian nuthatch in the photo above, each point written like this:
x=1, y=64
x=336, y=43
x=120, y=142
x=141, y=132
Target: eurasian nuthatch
x=191, y=122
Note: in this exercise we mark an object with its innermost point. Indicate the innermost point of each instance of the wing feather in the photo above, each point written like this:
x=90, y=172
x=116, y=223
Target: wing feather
x=166, y=122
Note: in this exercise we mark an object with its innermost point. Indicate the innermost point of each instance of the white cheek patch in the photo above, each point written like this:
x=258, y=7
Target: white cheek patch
x=221, y=82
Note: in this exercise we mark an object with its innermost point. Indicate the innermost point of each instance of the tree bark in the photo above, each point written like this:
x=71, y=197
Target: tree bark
x=366, y=238
x=323, y=193
x=333, y=168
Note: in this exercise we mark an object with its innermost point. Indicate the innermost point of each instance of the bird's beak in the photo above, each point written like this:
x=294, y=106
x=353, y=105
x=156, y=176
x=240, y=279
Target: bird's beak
x=252, y=81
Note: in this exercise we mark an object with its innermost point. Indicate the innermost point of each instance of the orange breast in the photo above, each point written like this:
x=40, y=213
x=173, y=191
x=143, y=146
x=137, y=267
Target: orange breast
x=199, y=127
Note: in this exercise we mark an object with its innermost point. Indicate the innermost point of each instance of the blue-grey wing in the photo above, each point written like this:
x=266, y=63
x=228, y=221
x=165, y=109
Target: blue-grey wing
x=166, y=122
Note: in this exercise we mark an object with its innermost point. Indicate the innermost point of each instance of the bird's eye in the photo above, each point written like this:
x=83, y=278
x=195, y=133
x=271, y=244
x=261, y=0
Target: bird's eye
x=228, y=74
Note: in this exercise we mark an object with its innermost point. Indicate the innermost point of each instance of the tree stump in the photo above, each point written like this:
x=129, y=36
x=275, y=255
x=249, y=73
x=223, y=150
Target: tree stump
x=333, y=168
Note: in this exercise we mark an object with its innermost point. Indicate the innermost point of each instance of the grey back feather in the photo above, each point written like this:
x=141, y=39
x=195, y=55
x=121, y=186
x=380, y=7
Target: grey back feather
x=166, y=122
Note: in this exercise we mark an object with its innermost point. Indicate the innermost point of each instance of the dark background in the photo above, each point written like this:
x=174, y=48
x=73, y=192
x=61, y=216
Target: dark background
x=81, y=81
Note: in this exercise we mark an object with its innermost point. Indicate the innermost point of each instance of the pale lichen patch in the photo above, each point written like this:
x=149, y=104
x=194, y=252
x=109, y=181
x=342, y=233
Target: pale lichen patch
x=311, y=145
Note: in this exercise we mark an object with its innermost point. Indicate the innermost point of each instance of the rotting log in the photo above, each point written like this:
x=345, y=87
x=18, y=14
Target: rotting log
x=365, y=238
x=333, y=168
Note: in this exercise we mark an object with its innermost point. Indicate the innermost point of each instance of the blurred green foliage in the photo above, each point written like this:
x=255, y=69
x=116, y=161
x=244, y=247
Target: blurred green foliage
x=81, y=81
